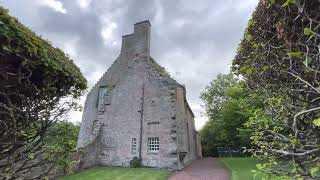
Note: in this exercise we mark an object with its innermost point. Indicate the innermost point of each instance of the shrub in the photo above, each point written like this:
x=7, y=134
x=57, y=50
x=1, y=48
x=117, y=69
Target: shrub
x=135, y=162
x=38, y=86
x=279, y=58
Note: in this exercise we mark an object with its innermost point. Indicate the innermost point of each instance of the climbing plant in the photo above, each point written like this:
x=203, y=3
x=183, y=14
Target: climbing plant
x=38, y=86
x=279, y=57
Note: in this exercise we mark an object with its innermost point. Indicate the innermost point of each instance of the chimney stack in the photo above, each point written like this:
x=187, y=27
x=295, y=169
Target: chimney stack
x=139, y=41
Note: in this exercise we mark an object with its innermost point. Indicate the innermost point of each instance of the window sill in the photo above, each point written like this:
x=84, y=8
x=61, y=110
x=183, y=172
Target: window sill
x=154, y=153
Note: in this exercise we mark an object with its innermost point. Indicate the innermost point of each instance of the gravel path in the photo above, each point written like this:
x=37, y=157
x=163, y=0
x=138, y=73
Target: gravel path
x=203, y=169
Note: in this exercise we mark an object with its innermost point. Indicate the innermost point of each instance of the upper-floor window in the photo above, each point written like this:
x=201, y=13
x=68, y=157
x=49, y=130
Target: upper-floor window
x=103, y=91
x=134, y=145
x=153, y=144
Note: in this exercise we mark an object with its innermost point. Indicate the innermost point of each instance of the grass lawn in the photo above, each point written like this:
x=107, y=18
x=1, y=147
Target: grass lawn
x=119, y=173
x=241, y=168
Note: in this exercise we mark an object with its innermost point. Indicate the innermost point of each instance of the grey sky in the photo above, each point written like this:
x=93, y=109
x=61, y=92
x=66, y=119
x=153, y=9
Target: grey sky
x=193, y=40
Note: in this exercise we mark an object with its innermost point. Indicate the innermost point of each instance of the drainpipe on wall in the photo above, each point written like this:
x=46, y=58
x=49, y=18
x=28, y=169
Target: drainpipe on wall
x=141, y=123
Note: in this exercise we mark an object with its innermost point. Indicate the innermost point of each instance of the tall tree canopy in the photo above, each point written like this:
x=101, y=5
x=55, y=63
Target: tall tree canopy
x=228, y=107
x=38, y=85
x=279, y=57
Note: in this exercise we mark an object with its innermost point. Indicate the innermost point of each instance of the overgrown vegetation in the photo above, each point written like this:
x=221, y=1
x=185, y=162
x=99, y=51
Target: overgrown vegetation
x=160, y=69
x=38, y=86
x=279, y=58
x=228, y=107
x=60, y=145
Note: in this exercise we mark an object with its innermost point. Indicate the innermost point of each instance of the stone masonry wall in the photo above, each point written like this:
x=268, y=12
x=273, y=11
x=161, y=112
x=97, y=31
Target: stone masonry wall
x=186, y=134
x=137, y=92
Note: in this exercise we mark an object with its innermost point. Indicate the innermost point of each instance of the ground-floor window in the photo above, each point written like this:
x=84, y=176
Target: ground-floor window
x=134, y=145
x=153, y=144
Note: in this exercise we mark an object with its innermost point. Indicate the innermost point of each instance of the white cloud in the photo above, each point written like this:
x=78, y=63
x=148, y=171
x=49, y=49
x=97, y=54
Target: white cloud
x=84, y=3
x=200, y=122
x=54, y=4
x=70, y=48
x=197, y=43
x=107, y=32
x=159, y=13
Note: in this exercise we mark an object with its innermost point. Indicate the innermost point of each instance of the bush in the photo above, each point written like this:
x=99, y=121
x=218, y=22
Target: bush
x=135, y=162
x=279, y=58
x=39, y=85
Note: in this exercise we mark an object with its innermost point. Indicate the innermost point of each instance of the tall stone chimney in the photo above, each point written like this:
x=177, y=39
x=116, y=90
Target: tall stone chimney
x=139, y=41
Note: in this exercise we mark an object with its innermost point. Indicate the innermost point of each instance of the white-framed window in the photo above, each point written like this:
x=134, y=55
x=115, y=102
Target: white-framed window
x=134, y=145
x=153, y=144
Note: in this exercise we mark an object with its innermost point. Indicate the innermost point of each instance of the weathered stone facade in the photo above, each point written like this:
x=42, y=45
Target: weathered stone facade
x=136, y=102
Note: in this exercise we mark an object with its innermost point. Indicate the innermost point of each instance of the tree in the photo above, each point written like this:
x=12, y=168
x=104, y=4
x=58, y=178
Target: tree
x=279, y=57
x=38, y=86
x=60, y=145
x=228, y=107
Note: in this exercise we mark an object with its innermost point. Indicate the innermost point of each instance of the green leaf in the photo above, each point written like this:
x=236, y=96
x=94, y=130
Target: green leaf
x=255, y=45
x=250, y=23
x=23, y=133
x=307, y=61
x=308, y=31
x=288, y=2
x=31, y=156
x=316, y=122
x=273, y=1
x=294, y=141
x=249, y=71
x=6, y=48
x=295, y=54
x=248, y=37
x=310, y=37
x=314, y=171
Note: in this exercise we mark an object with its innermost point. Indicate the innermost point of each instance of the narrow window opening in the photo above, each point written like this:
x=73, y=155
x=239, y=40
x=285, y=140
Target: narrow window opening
x=134, y=146
x=188, y=137
x=93, y=125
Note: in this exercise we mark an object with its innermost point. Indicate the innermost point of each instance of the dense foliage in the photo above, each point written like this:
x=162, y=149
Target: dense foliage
x=228, y=107
x=38, y=85
x=49, y=64
x=60, y=145
x=279, y=57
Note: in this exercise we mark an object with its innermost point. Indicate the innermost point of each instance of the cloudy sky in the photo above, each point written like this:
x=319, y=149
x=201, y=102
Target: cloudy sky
x=193, y=40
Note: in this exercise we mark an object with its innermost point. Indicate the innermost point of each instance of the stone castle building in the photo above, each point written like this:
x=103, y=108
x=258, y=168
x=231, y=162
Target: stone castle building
x=137, y=110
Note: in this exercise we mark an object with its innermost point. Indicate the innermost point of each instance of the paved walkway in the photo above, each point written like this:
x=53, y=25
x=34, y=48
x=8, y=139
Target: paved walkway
x=203, y=169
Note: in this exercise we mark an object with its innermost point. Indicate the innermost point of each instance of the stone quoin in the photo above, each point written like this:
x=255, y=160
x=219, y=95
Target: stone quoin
x=137, y=110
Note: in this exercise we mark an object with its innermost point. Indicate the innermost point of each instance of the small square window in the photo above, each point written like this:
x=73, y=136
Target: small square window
x=134, y=145
x=153, y=144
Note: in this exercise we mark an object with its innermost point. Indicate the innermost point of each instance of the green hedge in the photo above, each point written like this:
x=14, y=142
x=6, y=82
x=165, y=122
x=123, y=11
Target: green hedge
x=19, y=44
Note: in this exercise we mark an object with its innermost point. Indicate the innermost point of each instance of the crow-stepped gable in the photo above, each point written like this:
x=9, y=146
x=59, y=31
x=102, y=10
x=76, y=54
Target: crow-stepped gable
x=137, y=110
